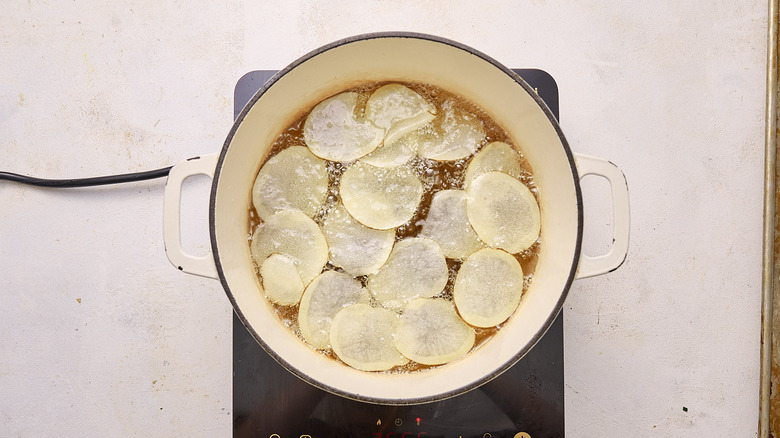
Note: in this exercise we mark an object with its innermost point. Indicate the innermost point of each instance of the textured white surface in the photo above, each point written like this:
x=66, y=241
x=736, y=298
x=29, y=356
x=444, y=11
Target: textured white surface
x=100, y=336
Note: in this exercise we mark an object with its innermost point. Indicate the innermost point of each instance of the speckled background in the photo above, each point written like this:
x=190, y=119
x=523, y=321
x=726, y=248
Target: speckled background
x=101, y=336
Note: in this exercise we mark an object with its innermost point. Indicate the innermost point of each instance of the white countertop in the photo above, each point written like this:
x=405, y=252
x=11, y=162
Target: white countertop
x=101, y=336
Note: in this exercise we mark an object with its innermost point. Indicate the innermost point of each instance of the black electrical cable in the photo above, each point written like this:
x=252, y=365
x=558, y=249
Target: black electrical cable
x=85, y=182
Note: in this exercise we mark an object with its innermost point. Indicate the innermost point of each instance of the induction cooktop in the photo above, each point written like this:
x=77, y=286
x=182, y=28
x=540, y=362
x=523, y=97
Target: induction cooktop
x=526, y=401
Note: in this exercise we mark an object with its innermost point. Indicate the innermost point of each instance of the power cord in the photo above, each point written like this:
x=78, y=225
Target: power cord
x=85, y=182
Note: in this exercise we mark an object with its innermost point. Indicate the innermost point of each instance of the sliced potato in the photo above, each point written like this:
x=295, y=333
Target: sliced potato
x=430, y=332
x=330, y=292
x=494, y=157
x=457, y=136
x=416, y=268
x=362, y=336
x=448, y=225
x=503, y=212
x=293, y=234
x=398, y=110
x=357, y=249
x=332, y=130
x=292, y=179
x=380, y=198
x=281, y=280
x=488, y=287
x=396, y=153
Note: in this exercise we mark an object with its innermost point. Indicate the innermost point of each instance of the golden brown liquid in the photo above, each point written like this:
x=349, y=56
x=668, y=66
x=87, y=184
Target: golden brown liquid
x=435, y=176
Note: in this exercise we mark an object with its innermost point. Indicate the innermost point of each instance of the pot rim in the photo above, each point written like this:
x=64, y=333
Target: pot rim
x=521, y=352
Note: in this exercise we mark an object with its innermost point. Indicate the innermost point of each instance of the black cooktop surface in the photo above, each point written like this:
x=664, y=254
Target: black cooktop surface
x=526, y=401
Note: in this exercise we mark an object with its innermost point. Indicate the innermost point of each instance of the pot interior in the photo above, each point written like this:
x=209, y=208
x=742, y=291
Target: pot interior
x=411, y=58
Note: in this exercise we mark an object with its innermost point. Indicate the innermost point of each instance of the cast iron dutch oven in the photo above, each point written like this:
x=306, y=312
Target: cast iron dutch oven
x=403, y=57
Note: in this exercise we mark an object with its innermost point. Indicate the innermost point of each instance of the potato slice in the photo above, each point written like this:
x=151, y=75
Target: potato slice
x=494, y=157
x=398, y=110
x=292, y=179
x=330, y=292
x=394, y=154
x=430, y=332
x=362, y=337
x=448, y=225
x=281, y=280
x=332, y=130
x=357, y=249
x=457, y=136
x=295, y=235
x=380, y=198
x=488, y=287
x=503, y=212
x=415, y=269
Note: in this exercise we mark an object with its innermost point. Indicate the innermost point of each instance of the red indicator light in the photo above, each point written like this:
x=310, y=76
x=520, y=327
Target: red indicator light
x=418, y=420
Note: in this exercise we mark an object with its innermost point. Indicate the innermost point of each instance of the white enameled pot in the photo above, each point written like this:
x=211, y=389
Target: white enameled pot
x=413, y=58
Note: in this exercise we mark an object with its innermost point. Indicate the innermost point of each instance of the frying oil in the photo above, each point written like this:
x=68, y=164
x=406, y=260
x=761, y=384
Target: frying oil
x=434, y=175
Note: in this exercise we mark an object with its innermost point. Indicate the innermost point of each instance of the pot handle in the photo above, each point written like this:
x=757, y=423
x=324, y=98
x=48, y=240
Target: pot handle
x=590, y=266
x=203, y=266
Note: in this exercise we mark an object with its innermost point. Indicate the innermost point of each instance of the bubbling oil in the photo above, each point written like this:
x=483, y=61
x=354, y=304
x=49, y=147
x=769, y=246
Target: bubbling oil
x=434, y=175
